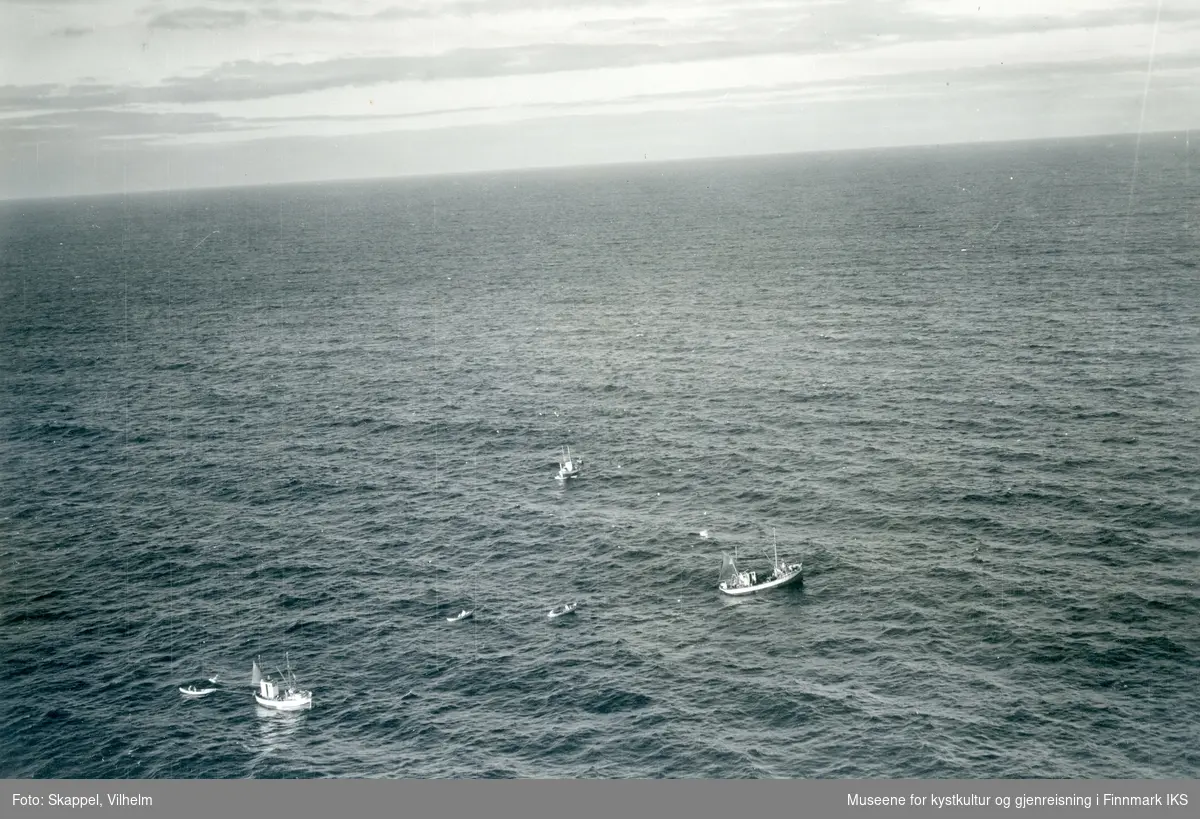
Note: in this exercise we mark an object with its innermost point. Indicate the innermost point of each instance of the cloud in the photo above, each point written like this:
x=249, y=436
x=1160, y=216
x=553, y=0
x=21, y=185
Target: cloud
x=71, y=31
x=1008, y=9
x=980, y=86
x=198, y=18
x=48, y=96
x=247, y=80
x=209, y=19
x=90, y=126
x=250, y=12
x=250, y=80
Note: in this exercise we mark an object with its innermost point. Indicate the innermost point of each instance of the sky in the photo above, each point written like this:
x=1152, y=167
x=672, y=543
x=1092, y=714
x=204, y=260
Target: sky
x=127, y=95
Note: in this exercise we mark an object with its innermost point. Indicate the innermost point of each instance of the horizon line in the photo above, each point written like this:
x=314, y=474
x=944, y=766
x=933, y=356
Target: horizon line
x=4, y=199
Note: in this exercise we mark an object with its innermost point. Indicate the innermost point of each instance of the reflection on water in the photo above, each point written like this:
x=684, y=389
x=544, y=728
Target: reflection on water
x=276, y=734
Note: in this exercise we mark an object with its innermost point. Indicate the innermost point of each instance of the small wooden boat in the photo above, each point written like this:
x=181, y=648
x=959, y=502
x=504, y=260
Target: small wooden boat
x=193, y=692
x=559, y=611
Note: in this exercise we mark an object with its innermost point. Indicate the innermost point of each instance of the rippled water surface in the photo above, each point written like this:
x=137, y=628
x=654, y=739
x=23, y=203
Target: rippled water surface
x=959, y=383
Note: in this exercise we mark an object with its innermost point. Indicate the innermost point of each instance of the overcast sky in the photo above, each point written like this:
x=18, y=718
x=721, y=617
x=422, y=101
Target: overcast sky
x=112, y=95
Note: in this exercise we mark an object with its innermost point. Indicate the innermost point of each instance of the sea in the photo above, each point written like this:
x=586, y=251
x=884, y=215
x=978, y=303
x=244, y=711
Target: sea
x=306, y=424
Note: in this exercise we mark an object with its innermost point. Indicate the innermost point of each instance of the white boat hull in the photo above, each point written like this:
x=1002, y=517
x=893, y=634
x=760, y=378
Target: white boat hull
x=292, y=703
x=559, y=611
x=194, y=692
x=778, y=582
x=466, y=615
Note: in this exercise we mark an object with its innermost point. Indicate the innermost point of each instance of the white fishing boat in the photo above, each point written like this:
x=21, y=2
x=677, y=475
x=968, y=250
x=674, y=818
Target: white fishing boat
x=568, y=466
x=737, y=583
x=282, y=695
x=193, y=692
x=559, y=611
x=465, y=614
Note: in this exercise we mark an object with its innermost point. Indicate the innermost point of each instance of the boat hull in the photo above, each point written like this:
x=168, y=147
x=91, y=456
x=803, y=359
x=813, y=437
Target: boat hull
x=739, y=591
x=290, y=704
x=192, y=692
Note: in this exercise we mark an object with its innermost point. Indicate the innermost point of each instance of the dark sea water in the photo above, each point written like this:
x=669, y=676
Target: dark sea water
x=959, y=383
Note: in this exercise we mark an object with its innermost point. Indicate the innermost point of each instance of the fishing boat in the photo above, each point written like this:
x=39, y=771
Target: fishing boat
x=462, y=615
x=284, y=695
x=559, y=611
x=193, y=692
x=737, y=583
x=568, y=466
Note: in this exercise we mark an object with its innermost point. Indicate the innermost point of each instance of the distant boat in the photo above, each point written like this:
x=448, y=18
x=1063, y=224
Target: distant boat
x=193, y=692
x=568, y=466
x=285, y=695
x=737, y=583
x=559, y=611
